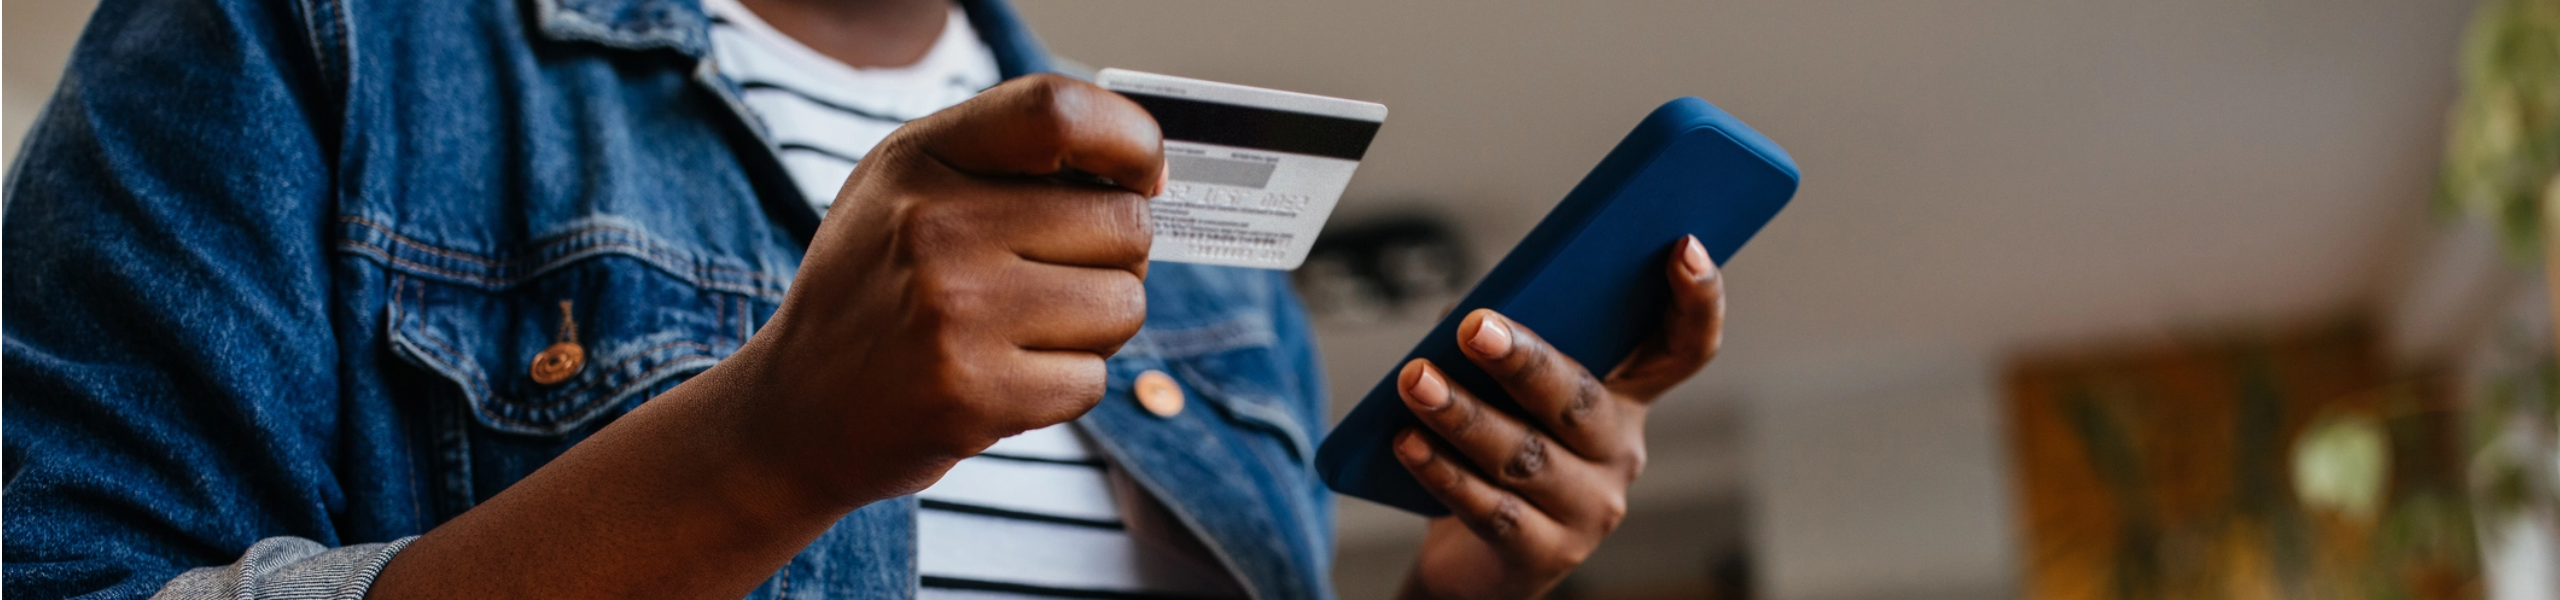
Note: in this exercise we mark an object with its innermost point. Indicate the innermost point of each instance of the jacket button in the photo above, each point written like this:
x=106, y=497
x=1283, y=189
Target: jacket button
x=556, y=363
x=1159, y=394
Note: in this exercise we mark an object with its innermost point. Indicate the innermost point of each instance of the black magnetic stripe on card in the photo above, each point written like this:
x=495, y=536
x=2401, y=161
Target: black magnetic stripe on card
x=1293, y=132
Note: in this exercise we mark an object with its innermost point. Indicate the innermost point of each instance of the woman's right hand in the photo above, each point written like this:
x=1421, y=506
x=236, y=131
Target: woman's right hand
x=966, y=286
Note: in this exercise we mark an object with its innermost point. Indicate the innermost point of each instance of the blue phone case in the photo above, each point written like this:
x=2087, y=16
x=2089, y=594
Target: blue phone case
x=1589, y=279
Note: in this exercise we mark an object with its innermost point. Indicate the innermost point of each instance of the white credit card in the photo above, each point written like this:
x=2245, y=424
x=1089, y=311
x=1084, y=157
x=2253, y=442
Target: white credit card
x=1254, y=171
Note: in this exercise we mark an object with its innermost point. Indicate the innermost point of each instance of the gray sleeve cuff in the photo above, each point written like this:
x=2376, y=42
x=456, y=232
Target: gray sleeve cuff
x=288, y=568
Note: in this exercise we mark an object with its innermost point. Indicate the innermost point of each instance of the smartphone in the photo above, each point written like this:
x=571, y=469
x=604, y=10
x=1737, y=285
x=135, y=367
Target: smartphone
x=1589, y=278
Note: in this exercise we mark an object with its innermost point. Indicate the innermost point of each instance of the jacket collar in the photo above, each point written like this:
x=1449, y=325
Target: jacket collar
x=681, y=26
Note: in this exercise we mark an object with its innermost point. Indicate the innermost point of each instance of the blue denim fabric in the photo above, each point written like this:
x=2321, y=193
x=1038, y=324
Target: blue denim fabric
x=278, y=268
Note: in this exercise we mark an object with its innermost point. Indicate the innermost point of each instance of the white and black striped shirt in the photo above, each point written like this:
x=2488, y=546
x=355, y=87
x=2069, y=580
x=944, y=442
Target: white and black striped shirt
x=824, y=115
x=1039, y=515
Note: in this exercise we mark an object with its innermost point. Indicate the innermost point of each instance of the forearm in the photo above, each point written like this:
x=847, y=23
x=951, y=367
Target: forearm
x=668, y=502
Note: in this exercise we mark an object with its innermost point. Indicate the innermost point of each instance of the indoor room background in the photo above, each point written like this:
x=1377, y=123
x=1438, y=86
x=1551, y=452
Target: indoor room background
x=2077, y=300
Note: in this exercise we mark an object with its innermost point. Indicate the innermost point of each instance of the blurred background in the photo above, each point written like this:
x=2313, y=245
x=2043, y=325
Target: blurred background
x=2166, y=299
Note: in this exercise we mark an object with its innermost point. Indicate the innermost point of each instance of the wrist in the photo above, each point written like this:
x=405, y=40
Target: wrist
x=754, y=464
x=671, y=500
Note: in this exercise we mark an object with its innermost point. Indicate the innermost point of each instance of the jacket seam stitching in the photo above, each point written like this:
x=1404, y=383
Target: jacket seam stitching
x=385, y=255
x=551, y=240
x=758, y=283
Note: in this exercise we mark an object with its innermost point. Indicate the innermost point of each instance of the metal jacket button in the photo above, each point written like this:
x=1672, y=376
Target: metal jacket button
x=556, y=363
x=1159, y=394
x=563, y=359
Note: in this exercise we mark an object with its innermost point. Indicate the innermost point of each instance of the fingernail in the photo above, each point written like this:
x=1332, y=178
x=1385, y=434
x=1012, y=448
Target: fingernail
x=1694, y=258
x=1493, y=337
x=1164, y=179
x=1412, y=449
x=1429, y=391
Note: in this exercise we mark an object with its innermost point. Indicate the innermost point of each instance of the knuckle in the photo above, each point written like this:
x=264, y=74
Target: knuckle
x=1613, y=510
x=1587, y=398
x=1129, y=309
x=1089, y=385
x=1049, y=101
x=1048, y=88
x=1132, y=235
x=1534, y=359
x=1060, y=397
x=1463, y=421
x=944, y=299
x=1526, y=461
x=1503, y=522
x=1565, y=559
x=1443, y=474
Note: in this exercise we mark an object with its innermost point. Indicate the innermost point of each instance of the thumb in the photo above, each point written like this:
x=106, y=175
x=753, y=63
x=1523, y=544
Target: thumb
x=1048, y=125
x=1690, y=334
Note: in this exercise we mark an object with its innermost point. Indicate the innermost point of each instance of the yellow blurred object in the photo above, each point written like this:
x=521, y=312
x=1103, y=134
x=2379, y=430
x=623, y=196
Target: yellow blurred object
x=2340, y=463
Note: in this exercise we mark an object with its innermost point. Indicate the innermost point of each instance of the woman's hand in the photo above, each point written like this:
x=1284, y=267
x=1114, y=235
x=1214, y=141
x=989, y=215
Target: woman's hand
x=1532, y=500
x=960, y=292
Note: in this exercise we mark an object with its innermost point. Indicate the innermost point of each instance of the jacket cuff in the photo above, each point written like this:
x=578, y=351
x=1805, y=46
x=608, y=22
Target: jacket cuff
x=288, y=568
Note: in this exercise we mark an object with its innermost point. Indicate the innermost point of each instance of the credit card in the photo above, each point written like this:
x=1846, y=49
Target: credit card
x=1254, y=172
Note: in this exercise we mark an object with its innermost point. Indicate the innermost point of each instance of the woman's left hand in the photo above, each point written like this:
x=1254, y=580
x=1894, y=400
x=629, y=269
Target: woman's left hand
x=1530, y=501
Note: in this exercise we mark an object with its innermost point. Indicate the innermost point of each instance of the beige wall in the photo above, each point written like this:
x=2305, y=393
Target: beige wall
x=1891, y=488
x=35, y=39
x=17, y=110
x=1981, y=174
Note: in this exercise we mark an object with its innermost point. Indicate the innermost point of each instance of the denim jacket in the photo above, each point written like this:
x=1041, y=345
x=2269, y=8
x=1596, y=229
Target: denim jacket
x=277, y=269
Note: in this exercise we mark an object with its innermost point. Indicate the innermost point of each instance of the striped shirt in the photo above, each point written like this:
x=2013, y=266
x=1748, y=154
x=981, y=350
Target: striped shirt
x=824, y=115
x=1039, y=515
